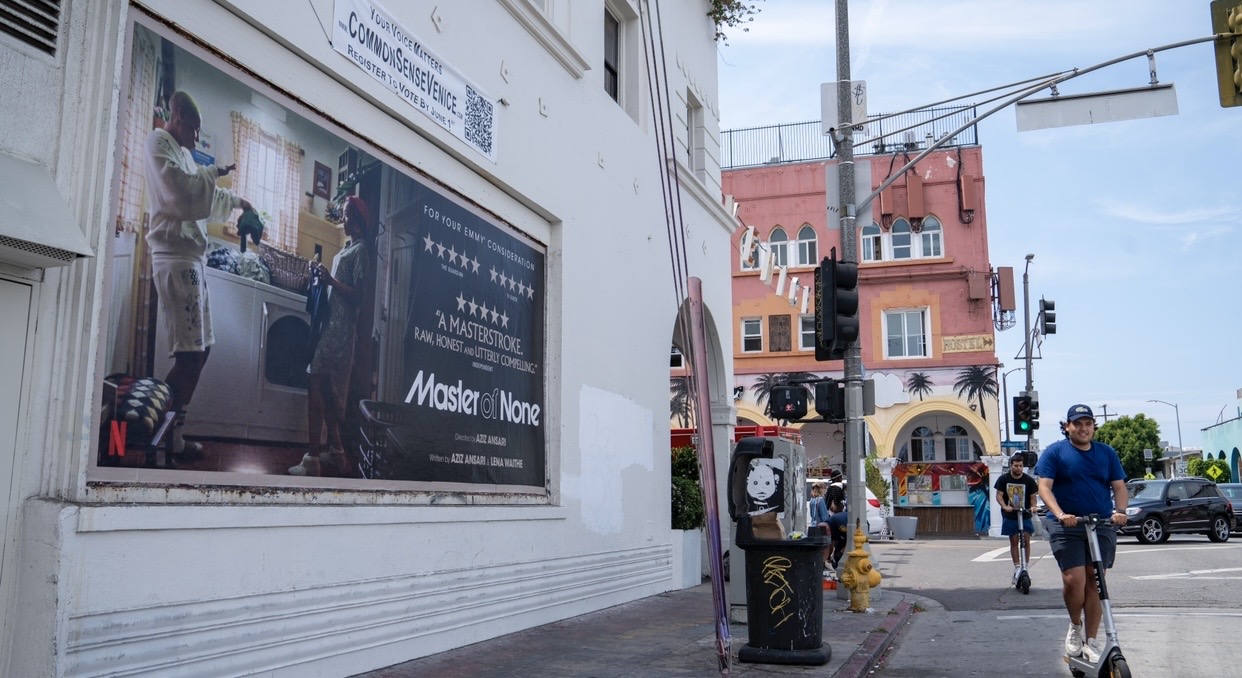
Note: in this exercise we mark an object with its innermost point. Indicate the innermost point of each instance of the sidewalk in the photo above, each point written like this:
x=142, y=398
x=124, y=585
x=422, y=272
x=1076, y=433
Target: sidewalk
x=671, y=634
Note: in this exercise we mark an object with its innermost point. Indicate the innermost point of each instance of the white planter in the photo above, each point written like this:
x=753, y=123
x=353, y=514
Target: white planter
x=687, y=558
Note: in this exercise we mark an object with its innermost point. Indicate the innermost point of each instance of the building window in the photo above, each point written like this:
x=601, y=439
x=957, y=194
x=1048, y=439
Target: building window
x=956, y=444
x=752, y=335
x=902, y=245
x=806, y=334
x=675, y=358
x=612, y=54
x=901, y=242
x=930, y=239
x=872, y=244
x=922, y=445
x=696, y=133
x=906, y=332
x=807, y=251
x=778, y=242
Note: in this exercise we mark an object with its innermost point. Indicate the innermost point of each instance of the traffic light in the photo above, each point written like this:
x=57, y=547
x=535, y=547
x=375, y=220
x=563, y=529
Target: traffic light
x=787, y=402
x=1023, y=424
x=1034, y=413
x=836, y=307
x=1227, y=18
x=1047, y=316
x=830, y=400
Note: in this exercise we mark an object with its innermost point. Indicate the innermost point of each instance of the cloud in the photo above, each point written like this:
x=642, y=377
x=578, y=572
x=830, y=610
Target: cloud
x=1144, y=214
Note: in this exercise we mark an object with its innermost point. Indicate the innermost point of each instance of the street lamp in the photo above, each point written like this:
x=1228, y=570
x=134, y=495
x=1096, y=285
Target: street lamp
x=1178, y=415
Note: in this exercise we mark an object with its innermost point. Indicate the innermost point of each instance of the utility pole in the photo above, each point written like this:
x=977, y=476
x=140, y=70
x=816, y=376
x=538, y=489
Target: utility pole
x=1105, y=415
x=854, y=438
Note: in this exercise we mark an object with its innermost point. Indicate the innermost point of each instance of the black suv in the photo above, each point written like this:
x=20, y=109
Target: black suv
x=1159, y=508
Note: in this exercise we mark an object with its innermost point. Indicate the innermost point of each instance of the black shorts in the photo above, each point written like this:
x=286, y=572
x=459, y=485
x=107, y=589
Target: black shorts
x=1070, y=548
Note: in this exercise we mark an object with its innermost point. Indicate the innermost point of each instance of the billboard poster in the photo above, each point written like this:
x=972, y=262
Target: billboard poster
x=389, y=335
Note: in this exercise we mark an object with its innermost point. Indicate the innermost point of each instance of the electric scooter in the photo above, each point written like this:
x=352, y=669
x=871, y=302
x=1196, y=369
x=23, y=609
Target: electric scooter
x=1023, y=582
x=1112, y=664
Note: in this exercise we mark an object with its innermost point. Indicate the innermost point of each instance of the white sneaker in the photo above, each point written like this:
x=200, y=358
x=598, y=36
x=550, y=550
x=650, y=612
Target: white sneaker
x=309, y=466
x=1073, y=640
x=1091, y=651
x=1017, y=570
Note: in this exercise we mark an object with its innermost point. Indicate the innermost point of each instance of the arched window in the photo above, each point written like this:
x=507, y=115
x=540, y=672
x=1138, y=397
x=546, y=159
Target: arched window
x=902, y=244
x=931, y=238
x=779, y=242
x=806, y=246
x=956, y=444
x=872, y=243
x=922, y=447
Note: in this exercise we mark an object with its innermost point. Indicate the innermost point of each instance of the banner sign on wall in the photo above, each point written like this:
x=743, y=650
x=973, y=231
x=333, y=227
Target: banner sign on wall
x=367, y=34
x=415, y=355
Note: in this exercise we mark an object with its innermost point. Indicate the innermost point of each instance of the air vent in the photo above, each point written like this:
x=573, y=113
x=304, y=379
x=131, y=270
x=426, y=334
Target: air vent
x=34, y=22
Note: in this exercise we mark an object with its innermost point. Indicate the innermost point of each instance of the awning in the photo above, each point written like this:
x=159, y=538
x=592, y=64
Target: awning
x=37, y=228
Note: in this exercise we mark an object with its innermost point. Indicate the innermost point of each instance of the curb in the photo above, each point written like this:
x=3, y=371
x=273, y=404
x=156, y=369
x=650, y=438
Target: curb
x=860, y=663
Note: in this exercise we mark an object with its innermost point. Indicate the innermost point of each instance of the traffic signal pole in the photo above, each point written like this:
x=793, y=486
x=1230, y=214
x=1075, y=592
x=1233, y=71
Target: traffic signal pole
x=855, y=444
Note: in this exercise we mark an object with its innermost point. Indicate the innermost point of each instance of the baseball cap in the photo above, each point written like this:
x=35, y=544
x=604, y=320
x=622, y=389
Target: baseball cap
x=1078, y=412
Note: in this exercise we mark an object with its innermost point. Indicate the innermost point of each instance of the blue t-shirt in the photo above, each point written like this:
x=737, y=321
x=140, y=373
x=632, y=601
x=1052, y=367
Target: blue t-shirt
x=1081, y=480
x=838, y=525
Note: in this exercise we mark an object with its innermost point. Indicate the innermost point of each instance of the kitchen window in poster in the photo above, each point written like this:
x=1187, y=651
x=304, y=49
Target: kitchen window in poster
x=421, y=339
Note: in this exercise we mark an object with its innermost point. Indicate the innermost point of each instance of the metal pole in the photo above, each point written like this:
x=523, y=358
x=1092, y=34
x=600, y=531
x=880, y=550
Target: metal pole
x=854, y=437
x=1026, y=323
x=1176, y=413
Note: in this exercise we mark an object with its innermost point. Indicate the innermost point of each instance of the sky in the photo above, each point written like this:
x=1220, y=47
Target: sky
x=1136, y=226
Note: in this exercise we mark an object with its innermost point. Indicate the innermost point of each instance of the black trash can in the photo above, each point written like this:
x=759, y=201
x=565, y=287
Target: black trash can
x=784, y=598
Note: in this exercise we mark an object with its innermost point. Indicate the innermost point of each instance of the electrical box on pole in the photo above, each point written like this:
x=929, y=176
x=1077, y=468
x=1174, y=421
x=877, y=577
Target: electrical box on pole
x=1226, y=20
x=1047, y=316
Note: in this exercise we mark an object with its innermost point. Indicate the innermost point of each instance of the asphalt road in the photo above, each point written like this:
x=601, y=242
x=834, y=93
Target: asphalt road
x=1171, y=603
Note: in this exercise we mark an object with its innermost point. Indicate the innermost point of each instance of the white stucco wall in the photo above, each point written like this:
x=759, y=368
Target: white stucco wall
x=180, y=580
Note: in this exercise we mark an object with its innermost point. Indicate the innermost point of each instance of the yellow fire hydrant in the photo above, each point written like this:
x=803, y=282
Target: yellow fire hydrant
x=859, y=576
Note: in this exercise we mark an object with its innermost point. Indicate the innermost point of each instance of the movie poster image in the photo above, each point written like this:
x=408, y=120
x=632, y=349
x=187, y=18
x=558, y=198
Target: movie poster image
x=390, y=333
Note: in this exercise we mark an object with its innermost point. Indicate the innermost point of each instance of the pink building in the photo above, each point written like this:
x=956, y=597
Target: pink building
x=929, y=310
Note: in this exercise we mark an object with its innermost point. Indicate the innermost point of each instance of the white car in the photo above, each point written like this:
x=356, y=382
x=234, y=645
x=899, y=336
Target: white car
x=875, y=521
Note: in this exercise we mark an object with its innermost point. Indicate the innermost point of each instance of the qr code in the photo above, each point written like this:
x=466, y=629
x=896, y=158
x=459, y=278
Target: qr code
x=479, y=116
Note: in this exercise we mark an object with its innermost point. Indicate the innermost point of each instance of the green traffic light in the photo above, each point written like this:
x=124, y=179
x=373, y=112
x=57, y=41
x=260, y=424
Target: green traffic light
x=1024, y=426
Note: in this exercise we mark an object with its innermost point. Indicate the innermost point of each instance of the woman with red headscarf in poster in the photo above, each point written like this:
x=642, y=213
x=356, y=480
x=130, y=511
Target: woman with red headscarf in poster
x=332, y=360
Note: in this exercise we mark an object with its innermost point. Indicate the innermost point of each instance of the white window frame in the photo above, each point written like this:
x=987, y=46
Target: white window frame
x=806, y=333
x=931, y=239
x=806, y=245
x=924, y=443
x=779, y=248
x=902, y=316
x=675, y=359
x=901, y=228
x=871, y=240
x=957, y=446
x=876, y=244
x=752, y=330
x=696, y=137
x=629, y=52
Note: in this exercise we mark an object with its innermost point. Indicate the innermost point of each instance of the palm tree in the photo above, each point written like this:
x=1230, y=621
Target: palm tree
x=679, y=403
x=975, y=382
x=919, y=384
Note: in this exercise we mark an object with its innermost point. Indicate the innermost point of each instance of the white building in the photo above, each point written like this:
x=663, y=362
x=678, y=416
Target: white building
x=513, y=337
